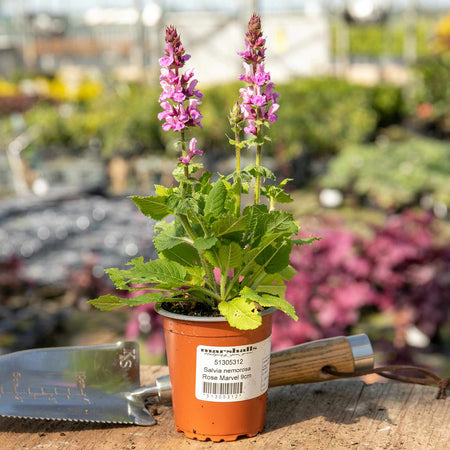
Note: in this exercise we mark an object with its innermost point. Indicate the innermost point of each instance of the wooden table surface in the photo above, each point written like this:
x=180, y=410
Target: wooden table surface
x=334, y=414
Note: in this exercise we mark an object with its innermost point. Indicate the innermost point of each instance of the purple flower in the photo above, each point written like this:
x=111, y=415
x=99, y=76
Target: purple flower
x=179, y=97
x=258, y=100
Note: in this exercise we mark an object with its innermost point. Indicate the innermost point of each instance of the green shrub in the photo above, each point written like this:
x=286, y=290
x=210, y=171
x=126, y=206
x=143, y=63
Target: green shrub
x=393, y=175
x=322, y=115
x=375, y=40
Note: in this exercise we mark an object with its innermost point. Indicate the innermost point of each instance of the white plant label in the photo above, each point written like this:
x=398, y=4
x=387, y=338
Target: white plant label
x=232, y=374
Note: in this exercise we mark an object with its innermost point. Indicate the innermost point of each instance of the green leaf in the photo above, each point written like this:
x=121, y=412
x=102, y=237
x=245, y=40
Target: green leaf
x=230, y=256
x=162, y=191
x=167, y=272
x=154, y=207
x=281, y=222
x=183, y=254
x=178, y=172
x=257, y=216
x=267, y=301
x=275, y=257
x=197, y=275
x=229, y=224
x=205, y=243
x=118, y=278
x=216, y=199
x=166, y=238
x=277, y=193
x=262, y=171
x=308, y=241
x=287, y=273
x=240, y=313
x=212, y=257
x=272, y=284
x=109, y=302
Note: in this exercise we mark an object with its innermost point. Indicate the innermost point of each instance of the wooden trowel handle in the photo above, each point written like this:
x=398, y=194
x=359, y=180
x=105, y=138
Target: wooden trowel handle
x=303, y=363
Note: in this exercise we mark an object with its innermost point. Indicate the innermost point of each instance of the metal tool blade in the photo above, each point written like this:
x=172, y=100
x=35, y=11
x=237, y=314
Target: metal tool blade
x=74, y=383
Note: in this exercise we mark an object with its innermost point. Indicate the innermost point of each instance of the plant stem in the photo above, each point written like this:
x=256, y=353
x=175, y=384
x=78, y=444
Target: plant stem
x=258, y=175
x=271, y=204
x=210, y=293
x=206, y=266
x=238, y=172
x=186, y=168
x=223, y=284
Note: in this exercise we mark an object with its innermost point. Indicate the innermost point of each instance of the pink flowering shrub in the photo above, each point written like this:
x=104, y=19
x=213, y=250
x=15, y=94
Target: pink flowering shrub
x=344, y=277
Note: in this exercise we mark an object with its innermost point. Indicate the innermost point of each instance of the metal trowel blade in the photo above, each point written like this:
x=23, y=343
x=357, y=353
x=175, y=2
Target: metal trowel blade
x=89, y=384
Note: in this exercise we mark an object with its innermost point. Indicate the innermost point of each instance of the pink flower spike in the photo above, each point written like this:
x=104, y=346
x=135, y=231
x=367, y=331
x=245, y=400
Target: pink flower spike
x=177, y=88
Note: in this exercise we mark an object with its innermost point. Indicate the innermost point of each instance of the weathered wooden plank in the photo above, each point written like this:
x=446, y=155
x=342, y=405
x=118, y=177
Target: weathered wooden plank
x=336, y=414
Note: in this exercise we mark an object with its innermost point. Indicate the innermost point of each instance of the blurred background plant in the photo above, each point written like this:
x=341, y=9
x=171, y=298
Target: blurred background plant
x=364, y=133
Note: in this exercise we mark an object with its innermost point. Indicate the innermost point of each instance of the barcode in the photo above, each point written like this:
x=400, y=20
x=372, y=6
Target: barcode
x=222, y=388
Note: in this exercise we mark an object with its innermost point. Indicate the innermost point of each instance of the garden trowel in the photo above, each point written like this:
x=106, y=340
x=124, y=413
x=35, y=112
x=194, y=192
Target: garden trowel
x=101, y=383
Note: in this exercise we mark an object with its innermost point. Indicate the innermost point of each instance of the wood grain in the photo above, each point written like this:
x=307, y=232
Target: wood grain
x=304, y=363
x=334, y=414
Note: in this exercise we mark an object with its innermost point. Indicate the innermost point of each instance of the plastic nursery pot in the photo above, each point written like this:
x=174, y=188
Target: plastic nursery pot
x=219, y=375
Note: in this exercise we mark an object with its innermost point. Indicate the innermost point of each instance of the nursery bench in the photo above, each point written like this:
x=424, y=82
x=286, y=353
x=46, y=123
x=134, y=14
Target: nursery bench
x=333, y=414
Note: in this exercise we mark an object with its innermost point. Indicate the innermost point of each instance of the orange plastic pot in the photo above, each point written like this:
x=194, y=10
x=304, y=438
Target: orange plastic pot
x=219, y=375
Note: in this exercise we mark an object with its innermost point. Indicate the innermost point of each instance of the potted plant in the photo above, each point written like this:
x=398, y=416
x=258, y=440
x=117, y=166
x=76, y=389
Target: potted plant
x=223, y=261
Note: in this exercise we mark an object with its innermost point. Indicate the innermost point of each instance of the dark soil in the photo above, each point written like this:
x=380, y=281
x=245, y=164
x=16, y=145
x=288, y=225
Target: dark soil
x=191, y=308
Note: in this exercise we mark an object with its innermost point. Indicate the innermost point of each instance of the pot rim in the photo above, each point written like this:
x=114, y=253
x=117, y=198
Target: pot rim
x=160, y=310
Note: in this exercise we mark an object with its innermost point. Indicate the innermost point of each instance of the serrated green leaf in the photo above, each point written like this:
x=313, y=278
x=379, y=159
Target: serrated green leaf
x=168, y=273
x=205, y=243
x=230, y=256
x=166, y=238
x=240, y=313
x=109, y=302
x=308, y=241
x=229, y=224
x=118, y=278
x=216, y=199
x=161, y=271
x=152, y=206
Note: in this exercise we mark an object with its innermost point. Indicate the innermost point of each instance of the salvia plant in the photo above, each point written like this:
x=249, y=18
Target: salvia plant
x=226, y=249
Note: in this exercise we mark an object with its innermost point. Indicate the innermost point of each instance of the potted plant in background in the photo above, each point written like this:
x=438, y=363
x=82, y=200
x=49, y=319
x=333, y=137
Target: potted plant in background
x=223, y=256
